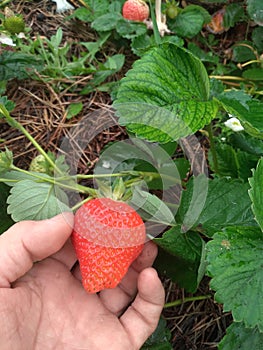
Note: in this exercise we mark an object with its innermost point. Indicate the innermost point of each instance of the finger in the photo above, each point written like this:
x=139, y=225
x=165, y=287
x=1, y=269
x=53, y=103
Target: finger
x=66, y=255
x=30, y=241
x=116, y=300
x=146, y=258
x=141, y=318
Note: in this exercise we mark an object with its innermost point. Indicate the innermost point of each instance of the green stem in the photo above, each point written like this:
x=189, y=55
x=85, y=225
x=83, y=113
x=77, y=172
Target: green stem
x=54, y=181
x=14, y=123
x=7, y=180
x=186, y=300
x=212, y=146
x=92, y=176
x=226, y=77
x=78, y=205
x=140, y=176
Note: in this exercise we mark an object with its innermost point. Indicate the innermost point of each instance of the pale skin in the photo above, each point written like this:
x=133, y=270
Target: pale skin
x=44, y=306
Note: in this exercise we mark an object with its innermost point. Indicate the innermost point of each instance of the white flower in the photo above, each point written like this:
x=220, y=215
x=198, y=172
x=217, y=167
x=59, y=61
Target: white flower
x=21, y=35
x=63, y=5
x=106, y=164
x=234, y=124
x=4, y=39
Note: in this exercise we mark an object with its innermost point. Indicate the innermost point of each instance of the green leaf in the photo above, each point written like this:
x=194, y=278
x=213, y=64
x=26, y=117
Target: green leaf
x=93, y=10
x=115, y=6
x=112, y=65
x=129, y=29
x=56, y=39
x=189, y=21
x=223, y=205
x=238, y=337
x=257, y=37
x=18, y=65
x=183, y=166
x=180, y=257
x=82, y=14
x=106, y=22
x=35, y=201
x=248, y=110
x=235, y=263
x=160, y=339
x=227, y=163
x=246, y=163
x=9, y=105
x=203, y=55
x=165, y=95
x=256, y=193
x=14, y=176
x=74, y=109
x=5, y=219
x=141, y=44
x=231, y=162
x=255, y=11
x=233, y=14
x=253, y=74
x=217, y=87
x=243, y=53
x=193, y=201
x=150, y=207
x=247, y=143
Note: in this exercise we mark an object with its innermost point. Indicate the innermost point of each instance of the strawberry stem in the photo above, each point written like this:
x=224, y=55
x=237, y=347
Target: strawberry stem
x=78, y=205
x=94, y=176
x=54, y=181
x=186, y=300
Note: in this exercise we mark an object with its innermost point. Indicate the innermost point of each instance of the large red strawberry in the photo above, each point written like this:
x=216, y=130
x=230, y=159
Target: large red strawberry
x=108, y=236
x=135, y=10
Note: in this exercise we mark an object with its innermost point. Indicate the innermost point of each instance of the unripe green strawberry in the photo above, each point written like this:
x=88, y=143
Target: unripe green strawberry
x=14, y=24
x=6, y=160
x=135, y=10
x=172, y=11
x=108, y=236
x=39, y=165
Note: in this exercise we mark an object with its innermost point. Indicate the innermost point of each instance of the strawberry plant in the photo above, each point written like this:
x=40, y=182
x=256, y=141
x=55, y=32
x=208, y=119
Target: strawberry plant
x=202, y=208
x=50, y=59
x=166, y=96
x=210, y=231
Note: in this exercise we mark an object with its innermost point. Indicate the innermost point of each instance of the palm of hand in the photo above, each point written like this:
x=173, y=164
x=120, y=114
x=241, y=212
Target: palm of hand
x=47, y=308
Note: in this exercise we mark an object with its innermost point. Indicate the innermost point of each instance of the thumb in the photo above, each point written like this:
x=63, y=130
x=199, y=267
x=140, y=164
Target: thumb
x=29, y=241
x=141, y=318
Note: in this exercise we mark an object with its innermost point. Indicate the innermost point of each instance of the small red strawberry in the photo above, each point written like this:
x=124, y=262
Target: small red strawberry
x=108, y=236
x=135, y=10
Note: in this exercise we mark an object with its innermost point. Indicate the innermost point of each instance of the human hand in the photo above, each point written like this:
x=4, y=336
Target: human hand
x=44, y=306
